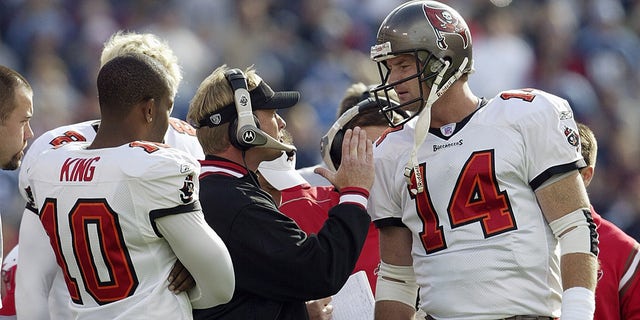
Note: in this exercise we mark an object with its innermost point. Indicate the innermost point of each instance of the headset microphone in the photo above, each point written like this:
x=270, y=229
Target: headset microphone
x=275, y=144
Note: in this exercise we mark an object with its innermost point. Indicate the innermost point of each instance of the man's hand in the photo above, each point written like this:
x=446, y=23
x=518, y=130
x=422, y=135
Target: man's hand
x=180, y=279
x=356, y=167
x=319, y=309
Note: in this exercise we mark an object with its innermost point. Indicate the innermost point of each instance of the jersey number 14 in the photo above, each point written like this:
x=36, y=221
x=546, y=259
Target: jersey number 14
x=476, y=198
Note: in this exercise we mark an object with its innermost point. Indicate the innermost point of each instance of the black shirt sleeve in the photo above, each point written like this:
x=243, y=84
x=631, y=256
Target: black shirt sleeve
x=276, y=259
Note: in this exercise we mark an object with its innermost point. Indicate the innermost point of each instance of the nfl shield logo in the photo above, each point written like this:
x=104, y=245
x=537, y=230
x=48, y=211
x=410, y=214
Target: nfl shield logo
x=447, y=130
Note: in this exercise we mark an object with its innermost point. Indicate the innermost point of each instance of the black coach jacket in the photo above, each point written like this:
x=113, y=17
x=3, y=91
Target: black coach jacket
x=277, y=266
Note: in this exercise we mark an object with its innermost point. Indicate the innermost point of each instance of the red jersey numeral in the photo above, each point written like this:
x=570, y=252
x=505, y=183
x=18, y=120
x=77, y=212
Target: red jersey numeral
x=96, y=236
x=386, y=132
x=476, y=197
x=49, y=219
x=432, y=236
x=149, y=147
x=182, y=126
x=522, y=94
x=68, y=136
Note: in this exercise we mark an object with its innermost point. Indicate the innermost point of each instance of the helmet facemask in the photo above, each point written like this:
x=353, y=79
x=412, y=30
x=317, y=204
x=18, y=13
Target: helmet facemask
x=427, y=65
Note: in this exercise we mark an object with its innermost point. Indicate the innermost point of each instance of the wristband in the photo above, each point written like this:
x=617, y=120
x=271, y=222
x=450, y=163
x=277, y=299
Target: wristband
x=578, y=303
x=354, y=195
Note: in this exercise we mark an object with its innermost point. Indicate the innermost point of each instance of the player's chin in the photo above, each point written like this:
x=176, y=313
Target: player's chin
x=14, y=163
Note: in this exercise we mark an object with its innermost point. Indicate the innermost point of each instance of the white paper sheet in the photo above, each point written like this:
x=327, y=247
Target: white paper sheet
x=355, y=300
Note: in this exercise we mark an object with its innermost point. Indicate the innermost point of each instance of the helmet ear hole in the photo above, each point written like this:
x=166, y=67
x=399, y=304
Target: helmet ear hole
x=436, y=65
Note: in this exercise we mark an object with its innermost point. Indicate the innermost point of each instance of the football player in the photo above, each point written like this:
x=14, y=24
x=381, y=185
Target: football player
x=279, y=266
x=16, y=110
x=479, y=201
x=120, y=210
x=179, y=135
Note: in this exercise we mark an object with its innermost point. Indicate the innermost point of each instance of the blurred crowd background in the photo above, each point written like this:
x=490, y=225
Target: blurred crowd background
x=586, y=51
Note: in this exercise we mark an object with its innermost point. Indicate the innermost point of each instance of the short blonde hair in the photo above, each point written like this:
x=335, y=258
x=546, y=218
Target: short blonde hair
x=121, y=43
x=588, y=144
x=213, y=94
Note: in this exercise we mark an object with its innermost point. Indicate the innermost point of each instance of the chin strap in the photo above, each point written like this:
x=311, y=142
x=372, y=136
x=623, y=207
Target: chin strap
x=424, y=122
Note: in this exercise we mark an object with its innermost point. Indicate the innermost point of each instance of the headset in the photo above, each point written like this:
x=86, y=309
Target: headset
x=244, y=129
x=331, y=143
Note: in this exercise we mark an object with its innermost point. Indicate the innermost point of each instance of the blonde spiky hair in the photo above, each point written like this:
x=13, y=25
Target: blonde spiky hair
x=148, y=44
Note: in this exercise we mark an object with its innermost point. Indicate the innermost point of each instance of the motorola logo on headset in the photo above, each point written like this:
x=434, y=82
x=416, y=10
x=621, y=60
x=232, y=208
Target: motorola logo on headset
x=248, y=136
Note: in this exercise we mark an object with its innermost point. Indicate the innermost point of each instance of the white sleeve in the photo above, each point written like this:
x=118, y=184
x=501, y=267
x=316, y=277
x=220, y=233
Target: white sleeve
x=384, y=198
x=181, y=135
x=204, y=254
x=36, y=270
x=555, y=151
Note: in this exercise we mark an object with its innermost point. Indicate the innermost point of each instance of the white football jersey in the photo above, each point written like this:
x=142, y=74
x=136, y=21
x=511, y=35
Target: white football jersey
x=180, y=135
x=99, y=212
x=482, y=248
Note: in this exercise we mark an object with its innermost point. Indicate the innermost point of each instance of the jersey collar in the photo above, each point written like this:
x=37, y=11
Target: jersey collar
x=217, y=165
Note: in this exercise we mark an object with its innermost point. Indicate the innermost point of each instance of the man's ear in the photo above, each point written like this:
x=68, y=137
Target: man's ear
x=148, y=107
x=587, y=175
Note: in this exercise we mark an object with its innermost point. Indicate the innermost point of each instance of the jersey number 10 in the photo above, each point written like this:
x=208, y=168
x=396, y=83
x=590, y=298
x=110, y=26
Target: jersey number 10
x=96, y=236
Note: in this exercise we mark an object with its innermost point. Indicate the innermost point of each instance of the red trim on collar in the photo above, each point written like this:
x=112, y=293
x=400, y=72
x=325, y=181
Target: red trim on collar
x=225, y=164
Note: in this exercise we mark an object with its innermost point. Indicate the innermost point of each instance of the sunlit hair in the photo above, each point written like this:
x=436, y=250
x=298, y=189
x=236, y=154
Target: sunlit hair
x=588, y=144
x=214, y=93
x=148, y=44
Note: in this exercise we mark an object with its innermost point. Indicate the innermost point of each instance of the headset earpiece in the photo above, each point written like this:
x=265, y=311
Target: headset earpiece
x=233, y=134
x=244, y=132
